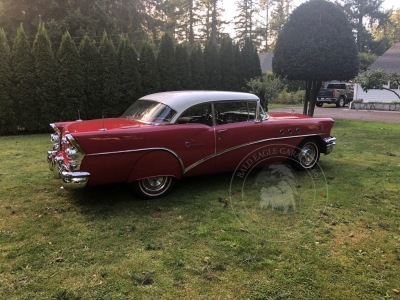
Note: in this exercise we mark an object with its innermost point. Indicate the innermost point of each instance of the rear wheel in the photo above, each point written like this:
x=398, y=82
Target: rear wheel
x=306, y=155
x=154, y=187
x=341, y=102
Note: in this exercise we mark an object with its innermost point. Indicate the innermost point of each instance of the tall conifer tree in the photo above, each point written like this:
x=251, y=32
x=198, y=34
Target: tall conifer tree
x=197, y=68
x=183, y=67
x=166, y=65
x=91, y=72
x=228, y=69
x=237, y=56
x=22, y=64
x=148, y=70
x=257, y=64
x=109, y=80
x=7, y=118
x=70, y=80
x=248, y=60
x=129, y=77
x=212, y=67
x=45, y=80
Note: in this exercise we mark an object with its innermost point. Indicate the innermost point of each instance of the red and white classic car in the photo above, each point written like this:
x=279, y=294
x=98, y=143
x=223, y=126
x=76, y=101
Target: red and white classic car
x=166, y=136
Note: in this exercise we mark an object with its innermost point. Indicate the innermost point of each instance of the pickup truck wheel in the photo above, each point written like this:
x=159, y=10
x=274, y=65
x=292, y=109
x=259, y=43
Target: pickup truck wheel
x=341, y=102
x=320, y=104
x=306, y=154
x=154, y=187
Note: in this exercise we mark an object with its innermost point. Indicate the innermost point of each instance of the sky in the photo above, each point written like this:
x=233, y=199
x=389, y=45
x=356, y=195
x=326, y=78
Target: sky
x=230, y=6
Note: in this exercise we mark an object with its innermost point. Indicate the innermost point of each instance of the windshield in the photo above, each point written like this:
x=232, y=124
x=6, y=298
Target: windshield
x=150, y=112
x=263, y=114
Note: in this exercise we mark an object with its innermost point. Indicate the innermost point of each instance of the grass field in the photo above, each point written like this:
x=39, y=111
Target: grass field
x=102, y=243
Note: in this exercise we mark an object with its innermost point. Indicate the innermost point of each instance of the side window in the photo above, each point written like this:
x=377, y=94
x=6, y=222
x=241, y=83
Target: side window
x=234, y=111
x=393, y=86
x=200, y=113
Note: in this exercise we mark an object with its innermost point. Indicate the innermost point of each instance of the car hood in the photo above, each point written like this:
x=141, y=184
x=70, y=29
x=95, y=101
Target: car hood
x=101, y=124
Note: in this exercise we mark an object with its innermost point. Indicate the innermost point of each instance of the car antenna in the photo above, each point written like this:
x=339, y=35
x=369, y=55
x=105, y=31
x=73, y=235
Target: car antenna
x=103, y=129
x=79, y=116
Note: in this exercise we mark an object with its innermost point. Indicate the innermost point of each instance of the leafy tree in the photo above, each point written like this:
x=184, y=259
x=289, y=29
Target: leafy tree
x=129, y=77
x=360, y=10
x=70, y=80
x=46, y=81
x=108, y=78
x=197, y=69
x=267, y=88
x=166, y=65
x=7, y=118
x=228, y=69
x=366, y=59
x=91, y=72
x=183, y=73
x=212, y=66
x=377, y=79
x=387, y=34
x=148, y=70
x=23, y=81
x=279, y=16
x=301, y=52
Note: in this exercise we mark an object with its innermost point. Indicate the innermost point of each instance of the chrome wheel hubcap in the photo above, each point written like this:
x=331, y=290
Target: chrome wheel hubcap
x=308, y=156
x=155, y=186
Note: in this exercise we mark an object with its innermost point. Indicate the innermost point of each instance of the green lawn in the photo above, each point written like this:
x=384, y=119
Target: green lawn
x=280, y=105
x=101, y=243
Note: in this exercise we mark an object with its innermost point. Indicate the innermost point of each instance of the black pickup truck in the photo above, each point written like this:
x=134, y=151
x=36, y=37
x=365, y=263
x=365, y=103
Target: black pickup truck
x=336, y=93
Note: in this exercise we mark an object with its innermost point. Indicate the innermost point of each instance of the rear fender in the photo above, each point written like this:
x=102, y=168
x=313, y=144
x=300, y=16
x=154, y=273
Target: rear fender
x=157, y=163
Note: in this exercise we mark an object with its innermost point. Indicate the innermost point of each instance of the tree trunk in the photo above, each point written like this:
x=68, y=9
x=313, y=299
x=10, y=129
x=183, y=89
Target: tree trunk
x=307, y=99
x=214, y=24
x=314, y=92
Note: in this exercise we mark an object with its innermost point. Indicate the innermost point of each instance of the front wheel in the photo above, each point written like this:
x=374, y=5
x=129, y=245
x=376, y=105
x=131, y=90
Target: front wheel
x=306, y=155
x=154, y=187
x=319, y=104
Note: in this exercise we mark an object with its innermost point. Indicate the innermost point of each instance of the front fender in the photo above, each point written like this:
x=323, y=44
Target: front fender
x=157, y=163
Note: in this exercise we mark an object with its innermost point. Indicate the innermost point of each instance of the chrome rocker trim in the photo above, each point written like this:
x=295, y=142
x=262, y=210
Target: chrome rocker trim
x=329, y=144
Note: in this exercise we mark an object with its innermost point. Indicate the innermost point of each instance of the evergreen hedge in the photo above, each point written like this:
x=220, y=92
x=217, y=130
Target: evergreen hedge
x=97, y=81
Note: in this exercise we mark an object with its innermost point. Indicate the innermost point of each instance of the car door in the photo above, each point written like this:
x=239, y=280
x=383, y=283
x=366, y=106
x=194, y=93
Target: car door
x=194, y=139
x=238, y=133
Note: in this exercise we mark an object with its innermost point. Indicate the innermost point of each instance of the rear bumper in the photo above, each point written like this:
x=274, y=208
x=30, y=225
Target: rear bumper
x=69, y=179
x=326, y=100
x=329, y=144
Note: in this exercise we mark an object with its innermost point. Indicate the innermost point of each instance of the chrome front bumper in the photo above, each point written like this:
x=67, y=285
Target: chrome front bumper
x=329, y=144
x=69, y=179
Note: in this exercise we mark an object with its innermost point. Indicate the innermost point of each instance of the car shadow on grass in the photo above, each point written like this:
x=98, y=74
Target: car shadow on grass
x=117, y=199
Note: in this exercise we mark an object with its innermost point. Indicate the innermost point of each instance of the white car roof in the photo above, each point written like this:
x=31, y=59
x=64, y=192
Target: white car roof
x=181, y=100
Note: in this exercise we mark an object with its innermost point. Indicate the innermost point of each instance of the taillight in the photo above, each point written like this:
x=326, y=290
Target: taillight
x=334, y=92
x=73, y=151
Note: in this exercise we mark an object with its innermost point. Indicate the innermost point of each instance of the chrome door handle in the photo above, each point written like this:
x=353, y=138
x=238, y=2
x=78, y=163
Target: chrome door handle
x=222, y=130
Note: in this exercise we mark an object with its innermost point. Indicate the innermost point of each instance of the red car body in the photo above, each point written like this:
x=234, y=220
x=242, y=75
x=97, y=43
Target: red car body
x=177, y=142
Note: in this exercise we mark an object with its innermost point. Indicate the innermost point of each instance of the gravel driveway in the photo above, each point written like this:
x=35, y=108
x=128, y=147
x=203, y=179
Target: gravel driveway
x=349, y=114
